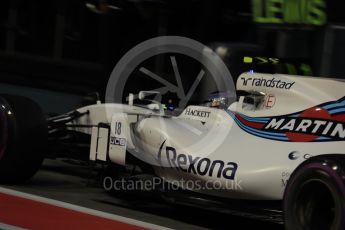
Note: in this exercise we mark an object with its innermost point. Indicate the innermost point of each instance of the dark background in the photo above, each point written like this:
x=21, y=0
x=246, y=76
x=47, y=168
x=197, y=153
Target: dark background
x=71, y=46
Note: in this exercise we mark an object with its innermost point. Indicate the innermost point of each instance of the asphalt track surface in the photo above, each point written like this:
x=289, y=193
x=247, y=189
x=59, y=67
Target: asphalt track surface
x=71, y=183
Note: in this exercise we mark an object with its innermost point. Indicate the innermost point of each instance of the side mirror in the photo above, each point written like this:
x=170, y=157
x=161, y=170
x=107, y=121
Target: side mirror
x=130, y=99
x=143, y=94
x=253, y=101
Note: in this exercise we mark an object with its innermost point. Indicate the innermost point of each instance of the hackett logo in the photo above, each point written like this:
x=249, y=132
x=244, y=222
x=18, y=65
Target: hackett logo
x=270, y=83
x=197, y=113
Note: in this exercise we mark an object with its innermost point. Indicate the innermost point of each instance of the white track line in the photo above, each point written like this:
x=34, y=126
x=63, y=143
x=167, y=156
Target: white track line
x=9, y=227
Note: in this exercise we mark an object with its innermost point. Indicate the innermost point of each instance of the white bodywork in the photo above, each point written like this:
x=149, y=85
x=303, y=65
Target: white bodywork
x=255, y=144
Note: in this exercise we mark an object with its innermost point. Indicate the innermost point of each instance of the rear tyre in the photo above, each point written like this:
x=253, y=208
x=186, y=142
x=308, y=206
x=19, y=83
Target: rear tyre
x=23, y=131
x=315, y=196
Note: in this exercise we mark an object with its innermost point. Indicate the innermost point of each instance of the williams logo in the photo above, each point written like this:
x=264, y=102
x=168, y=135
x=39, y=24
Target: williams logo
x=269, y=83
x=196, y=165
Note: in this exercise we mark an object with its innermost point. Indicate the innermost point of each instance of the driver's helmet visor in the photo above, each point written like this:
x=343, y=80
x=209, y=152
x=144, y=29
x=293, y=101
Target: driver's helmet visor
x=221, y=100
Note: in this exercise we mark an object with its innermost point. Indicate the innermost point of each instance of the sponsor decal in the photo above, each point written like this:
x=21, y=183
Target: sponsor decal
x=270, y=101
x=197, y=113
x=294, y=155
x=307, y=156
x=325, y=122
x=201, y=166
x=309, y=12
x=310, y=126
x=285, y=178
x=269, y=83
x=118, y=141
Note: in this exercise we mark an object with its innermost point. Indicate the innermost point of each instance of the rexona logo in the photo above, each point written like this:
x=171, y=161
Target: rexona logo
x=197, y=165
x=270, y=83
x=197, y=113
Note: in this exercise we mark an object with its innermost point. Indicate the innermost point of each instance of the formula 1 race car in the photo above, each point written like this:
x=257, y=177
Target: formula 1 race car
x=280, y=146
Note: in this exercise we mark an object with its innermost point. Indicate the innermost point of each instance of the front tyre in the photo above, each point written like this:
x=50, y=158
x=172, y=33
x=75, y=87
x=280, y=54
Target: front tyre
x=315, y=196
x=23, y=138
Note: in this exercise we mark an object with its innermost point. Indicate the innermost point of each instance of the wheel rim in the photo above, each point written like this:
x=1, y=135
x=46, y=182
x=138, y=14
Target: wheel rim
x=316, y=207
